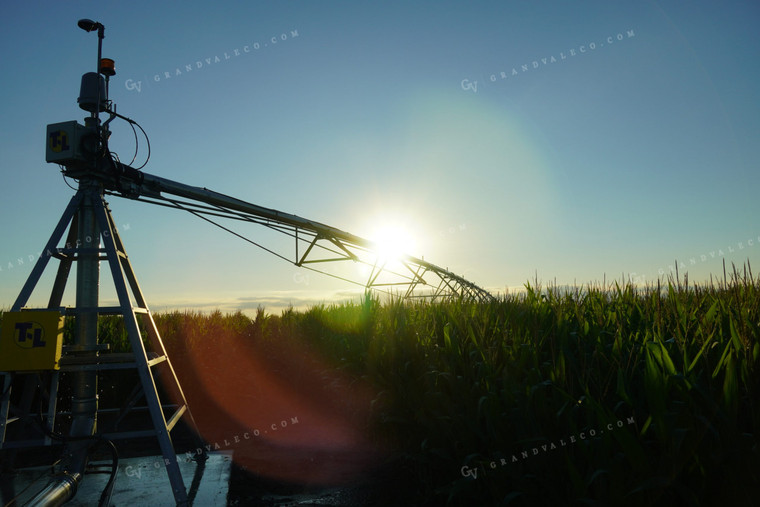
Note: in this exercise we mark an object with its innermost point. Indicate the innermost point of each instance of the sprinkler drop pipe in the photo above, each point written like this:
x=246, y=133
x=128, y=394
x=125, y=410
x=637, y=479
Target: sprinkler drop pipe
x=57, y=492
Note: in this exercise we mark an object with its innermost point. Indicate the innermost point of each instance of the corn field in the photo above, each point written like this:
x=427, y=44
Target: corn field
x=610, y=395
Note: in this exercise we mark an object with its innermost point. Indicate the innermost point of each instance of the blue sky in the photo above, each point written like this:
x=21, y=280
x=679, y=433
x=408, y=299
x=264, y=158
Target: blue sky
x=568, y=141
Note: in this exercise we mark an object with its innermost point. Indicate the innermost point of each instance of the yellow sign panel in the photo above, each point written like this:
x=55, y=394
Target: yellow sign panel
x=31, y=341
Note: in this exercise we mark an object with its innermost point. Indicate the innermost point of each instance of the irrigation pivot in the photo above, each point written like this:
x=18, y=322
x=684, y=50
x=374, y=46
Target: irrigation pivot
x=35, y=335
x=314, y=243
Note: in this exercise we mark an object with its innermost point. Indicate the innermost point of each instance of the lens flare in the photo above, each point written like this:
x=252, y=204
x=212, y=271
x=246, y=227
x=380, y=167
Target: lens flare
x=283, y=412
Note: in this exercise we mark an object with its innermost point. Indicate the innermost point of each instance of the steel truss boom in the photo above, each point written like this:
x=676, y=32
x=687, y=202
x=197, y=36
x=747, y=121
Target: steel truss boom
x=315, y=242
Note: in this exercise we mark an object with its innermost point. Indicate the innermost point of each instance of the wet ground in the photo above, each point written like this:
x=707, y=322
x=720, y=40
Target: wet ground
x=248, y=489
x=377, y=487
x=354, y=482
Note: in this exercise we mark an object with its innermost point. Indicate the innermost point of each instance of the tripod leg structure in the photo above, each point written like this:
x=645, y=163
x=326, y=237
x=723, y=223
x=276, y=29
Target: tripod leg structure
x=88, y=215
x=51, y=250
x=125, y=279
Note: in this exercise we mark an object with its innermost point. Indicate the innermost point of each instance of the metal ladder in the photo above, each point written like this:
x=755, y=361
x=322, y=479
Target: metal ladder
x=90, y=196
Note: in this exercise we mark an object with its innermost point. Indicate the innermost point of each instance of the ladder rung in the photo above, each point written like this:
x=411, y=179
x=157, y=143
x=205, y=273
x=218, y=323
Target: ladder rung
x=98, y=367
x=61, y=309
x=165, y=406
x=109, y=310
x=112, y=361
x=156, y=360
x=173, y=419
x=114, y=357
x=102, y=310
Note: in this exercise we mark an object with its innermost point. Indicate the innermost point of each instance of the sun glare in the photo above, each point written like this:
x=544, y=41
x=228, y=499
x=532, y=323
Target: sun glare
x=393, y=242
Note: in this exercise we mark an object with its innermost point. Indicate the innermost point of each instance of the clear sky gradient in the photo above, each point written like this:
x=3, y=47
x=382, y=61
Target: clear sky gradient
x=565, y=140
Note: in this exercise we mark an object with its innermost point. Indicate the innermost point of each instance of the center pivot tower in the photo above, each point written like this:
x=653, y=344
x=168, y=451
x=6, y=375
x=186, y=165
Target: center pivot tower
x=92, y=238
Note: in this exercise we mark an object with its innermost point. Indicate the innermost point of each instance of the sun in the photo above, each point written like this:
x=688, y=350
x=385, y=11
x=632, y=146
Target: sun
x=393, y=242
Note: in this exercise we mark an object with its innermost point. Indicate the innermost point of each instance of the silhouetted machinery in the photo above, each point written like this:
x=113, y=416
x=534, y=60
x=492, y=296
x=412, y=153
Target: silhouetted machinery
x=32, y=338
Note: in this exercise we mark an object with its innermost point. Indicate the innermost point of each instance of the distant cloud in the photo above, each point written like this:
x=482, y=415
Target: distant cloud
x=272, y=302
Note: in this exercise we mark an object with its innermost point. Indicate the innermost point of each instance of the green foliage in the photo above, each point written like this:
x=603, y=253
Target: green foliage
x=666, y=377
x=474, y=384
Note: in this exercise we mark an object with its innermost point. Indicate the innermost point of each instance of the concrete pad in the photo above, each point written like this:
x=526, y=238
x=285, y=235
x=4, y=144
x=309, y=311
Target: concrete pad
x=140, y=481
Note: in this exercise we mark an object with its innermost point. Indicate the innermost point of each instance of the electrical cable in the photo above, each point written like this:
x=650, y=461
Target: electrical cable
x=147, y=141
x=229, y=214
x=133, y=123
x=105, y=496
x=218, y=211
x=63, y=173
x=198, y=214
x=137, y=143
